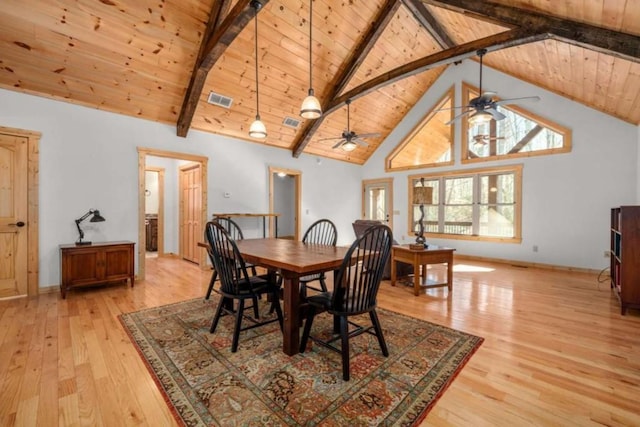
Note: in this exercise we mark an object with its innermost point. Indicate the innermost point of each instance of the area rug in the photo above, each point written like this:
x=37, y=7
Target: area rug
x=207, y=385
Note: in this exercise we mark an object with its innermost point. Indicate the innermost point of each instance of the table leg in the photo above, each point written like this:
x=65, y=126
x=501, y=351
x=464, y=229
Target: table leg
x=450, y=274
x=416, y=278
x=393, y=271
x=291, y=330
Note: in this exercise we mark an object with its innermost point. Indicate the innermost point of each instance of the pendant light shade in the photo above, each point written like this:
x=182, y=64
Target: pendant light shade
x=311, y=108
x=257, y=130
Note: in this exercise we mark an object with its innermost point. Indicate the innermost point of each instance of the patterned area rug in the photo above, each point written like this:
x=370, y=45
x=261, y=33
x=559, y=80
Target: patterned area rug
x=206, y=384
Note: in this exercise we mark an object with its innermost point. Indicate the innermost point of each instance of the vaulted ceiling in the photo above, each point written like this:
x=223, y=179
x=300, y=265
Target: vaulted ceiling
x=160, y=59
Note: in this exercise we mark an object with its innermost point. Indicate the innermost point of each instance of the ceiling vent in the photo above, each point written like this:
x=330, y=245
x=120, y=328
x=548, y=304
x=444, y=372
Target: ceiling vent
x=291, y=122
x=219, y=100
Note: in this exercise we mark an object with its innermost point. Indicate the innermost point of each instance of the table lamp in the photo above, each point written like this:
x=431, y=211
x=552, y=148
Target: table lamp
x=95, y=218
x=421, y=196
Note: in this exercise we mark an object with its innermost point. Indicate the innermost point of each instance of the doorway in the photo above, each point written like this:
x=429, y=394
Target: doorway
x=202, y=162
x=377, y=200
x=285, y=191
x=154, y=211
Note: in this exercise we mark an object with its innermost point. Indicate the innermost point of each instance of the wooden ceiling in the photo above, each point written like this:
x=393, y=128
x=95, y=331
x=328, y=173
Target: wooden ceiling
x=160, y=59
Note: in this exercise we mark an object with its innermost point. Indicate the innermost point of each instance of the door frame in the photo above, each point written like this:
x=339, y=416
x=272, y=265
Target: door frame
x=389, y=184
x=143, y=152
x=297, y=176
x=160, y=172
x=33, y=190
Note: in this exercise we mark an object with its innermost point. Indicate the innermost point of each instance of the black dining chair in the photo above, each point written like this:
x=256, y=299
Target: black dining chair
x=321, y=232
x=236, y=285
x=354, y=292
x=235, y=232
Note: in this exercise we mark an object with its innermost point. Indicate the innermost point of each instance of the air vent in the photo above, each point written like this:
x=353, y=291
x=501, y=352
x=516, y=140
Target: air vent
x=220, y=100
x=291, y=122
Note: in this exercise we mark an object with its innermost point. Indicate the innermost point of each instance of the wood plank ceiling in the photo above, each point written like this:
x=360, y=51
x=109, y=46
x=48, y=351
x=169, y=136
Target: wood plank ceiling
x=137, y=57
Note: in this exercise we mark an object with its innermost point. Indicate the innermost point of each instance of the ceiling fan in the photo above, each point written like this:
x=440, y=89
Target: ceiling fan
x=482, y=109
x=349, y=140
x=481, y=139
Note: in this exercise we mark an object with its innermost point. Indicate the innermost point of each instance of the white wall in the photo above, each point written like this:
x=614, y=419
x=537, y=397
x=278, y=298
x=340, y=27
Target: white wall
x=566, y=197
x=88, y=159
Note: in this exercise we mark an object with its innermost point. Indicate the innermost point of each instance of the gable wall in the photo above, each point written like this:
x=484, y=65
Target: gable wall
x=566, y=197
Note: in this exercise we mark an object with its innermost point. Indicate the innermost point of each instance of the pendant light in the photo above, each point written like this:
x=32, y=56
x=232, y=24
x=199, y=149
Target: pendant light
x=257, y=130
x=311, y=108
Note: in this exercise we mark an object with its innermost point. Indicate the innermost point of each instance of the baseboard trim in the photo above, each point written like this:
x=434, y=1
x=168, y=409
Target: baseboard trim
x=525, y=264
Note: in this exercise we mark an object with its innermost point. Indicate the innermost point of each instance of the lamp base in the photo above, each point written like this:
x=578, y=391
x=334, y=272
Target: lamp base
x=82, y=243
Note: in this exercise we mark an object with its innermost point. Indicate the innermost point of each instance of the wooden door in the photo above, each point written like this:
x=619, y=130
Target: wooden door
x=13, y=215
x=191, y=230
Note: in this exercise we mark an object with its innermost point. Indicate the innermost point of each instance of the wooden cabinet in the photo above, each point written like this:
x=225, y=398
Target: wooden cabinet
x=96, y=263
x=625, y=255
x=151, y=229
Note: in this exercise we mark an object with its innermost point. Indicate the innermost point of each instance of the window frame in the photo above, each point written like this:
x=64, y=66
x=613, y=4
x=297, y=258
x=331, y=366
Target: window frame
x=515, y=169
x=545, y=123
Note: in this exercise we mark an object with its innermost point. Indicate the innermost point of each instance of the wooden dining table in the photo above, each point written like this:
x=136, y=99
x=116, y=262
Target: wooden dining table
x=293, y=259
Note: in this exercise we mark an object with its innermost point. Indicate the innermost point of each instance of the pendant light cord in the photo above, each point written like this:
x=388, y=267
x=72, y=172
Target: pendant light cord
x=257, y=89
x=310, y=45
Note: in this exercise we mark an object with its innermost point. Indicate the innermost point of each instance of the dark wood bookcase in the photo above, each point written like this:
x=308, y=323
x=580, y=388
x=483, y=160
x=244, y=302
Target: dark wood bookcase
x=625, y=255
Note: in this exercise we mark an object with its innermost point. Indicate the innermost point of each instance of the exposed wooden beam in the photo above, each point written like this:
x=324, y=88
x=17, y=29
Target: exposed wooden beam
x=526, y=139
x=357, y=56
x=214, y=46
x=430, y=23
x=491, y=43
x=621, y=45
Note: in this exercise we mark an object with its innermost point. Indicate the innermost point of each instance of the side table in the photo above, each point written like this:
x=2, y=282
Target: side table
x=421, y=258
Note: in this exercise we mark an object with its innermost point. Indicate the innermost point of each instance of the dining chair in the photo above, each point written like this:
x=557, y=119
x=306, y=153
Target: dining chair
x=321, y=232
x=235, y=232
x=237, y=285
x=354, y=293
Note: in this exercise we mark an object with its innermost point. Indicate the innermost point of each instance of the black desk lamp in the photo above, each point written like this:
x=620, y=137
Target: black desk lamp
x=96, y=218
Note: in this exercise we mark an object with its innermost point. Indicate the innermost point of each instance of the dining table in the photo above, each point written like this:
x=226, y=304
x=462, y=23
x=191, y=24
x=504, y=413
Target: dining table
x=292, y=259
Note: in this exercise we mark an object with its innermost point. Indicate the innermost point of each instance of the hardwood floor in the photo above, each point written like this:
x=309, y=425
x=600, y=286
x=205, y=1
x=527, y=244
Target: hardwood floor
x=556, y=351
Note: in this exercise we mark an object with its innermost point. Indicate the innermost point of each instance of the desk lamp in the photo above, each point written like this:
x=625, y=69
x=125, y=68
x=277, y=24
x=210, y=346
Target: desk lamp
x=421, y=196
x=95, y=218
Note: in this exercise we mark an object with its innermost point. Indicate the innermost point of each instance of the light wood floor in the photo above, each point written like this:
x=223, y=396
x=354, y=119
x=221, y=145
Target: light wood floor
x=556, y=351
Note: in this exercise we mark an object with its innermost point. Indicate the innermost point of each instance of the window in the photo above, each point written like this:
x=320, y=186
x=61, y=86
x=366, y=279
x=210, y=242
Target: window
x=430, y=143
x=479, y=204
x=519, y=134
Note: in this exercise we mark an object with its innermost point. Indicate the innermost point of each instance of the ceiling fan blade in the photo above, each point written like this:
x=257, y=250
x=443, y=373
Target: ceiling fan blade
x=342, y=141
x=330, y=139
x=459, y=116
x=360, y=142
x=497, y=115
x=511, y=100
x=368, y=135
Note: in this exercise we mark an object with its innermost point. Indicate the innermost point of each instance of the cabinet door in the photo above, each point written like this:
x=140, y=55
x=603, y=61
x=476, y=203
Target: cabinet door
x=117, y=262
x=83, y=267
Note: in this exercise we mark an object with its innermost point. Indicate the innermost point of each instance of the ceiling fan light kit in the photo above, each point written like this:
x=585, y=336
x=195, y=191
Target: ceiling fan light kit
x=311, y=108
x=479, y=117
x=349, y=146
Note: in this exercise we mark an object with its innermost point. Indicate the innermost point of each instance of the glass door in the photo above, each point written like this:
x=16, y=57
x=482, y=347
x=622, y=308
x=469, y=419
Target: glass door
x=377, y=200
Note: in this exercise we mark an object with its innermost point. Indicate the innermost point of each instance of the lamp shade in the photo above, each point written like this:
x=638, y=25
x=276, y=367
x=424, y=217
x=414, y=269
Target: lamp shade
x=97, y=217
x=311, y=108
x=422, y=195
x=479, y=117
x=258, y=129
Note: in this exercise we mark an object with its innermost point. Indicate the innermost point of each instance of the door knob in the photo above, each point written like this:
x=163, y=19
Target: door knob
x=18, y=224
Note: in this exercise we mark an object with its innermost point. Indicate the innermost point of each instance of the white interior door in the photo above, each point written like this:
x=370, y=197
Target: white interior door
x=377, y=200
